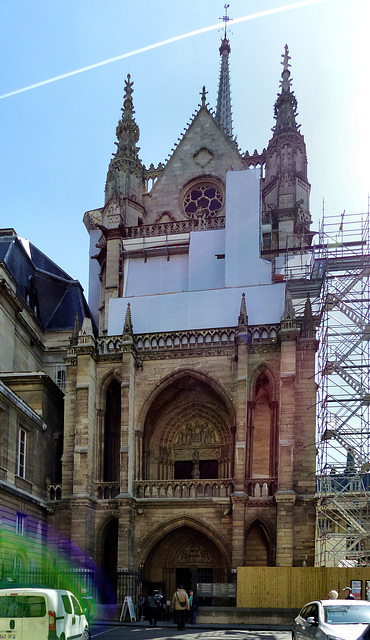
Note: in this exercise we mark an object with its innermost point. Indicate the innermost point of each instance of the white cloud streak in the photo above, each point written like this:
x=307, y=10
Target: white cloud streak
x=162, y=43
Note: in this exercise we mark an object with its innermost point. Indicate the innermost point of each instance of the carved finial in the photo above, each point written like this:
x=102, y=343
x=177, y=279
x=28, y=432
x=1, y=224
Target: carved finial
x=127, y=327
x=285, y=109
x=286, y=58
x=243, y=317
x=289, y=313
x=308, y=326
x=75, y=331
x=203, y=94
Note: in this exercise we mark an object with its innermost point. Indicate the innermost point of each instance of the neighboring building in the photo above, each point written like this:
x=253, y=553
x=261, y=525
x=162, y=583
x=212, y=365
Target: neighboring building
x=190, y=420
x=38, y=307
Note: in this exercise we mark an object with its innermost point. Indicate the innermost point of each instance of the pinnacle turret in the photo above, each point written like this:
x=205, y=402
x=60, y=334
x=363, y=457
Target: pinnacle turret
x=125, y=169
x=223, y=109
x=285, y=110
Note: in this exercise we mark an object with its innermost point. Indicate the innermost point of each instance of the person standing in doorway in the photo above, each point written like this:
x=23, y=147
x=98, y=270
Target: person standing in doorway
x=153, y=609
x=193, y=606
x=180, y=604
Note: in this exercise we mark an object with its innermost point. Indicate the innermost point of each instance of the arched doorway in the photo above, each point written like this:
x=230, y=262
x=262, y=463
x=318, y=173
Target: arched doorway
x=184, y=556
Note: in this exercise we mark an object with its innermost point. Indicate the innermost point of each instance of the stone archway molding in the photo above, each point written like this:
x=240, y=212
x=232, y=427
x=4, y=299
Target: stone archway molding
x=171, y=524
x=263, y=368
x=101, y=396
x=181, y=373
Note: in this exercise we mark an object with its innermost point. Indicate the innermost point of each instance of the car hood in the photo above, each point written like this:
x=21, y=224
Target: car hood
x=346, y=631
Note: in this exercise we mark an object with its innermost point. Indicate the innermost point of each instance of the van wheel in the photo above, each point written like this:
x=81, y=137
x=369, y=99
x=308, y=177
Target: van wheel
x=86, y=635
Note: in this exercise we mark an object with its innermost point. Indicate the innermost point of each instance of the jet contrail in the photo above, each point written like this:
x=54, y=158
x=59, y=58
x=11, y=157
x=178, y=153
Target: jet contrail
x=162, y=43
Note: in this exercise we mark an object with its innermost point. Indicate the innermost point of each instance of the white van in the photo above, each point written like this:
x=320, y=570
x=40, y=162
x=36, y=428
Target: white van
x=33, y=613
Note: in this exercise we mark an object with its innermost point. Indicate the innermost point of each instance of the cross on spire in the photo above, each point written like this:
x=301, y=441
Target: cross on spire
x=226, y=18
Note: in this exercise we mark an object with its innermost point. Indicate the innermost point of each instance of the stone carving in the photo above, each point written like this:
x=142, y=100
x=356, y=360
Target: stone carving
x=198, y=433
x=194, y=554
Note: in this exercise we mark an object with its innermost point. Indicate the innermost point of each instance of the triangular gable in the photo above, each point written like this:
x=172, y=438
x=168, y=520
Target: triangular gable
x=204, y=150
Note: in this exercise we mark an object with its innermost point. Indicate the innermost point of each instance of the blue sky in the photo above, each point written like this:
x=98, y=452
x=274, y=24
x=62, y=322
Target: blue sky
x=57, y=139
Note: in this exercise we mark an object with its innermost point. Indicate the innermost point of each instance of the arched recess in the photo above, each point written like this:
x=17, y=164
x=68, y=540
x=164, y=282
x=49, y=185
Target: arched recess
x=188, y=430
x=108, y=408
x=112, y=433
x=257, y=548
x=109, y=556
x=262, y=426
x=183, y=551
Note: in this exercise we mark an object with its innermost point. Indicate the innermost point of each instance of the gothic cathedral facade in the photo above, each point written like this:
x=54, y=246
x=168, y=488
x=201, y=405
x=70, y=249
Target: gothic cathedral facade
x=190, y=414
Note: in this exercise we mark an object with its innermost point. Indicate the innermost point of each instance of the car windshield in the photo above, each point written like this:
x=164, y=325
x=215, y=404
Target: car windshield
x=347, y=614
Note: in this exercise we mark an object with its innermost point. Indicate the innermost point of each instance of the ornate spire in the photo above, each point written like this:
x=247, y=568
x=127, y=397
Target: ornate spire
x=127, y=327
x=127, y=131
x=223, y=109
x=243, y=317
x=125, y=169
x=285, y=110
x=308, y=325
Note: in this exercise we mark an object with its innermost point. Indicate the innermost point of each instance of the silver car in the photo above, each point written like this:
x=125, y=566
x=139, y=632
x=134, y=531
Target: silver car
x=332, y=620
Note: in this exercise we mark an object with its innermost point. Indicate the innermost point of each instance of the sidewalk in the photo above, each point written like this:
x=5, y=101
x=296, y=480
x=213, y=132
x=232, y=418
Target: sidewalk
x=164, y=624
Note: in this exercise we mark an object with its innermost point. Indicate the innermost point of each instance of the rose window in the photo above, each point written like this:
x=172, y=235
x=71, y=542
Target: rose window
x=203, y=200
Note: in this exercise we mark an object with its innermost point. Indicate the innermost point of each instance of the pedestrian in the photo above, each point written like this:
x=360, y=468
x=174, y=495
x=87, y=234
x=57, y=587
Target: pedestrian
x=153, y=609
x=348, y=593
x=333, y=595
x=193, y=606
x=180, y=604
x=88, y=605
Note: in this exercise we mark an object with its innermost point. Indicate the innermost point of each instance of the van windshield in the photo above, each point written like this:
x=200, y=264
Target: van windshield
x=16, y=606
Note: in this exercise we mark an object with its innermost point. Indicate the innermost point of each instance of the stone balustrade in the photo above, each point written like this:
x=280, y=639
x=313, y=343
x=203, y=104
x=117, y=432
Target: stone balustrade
x=177, y=489
x=260, y=487
x=107, y=490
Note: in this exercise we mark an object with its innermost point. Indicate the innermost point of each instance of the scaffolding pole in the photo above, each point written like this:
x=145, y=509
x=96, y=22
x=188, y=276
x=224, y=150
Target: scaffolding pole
x=343, y=436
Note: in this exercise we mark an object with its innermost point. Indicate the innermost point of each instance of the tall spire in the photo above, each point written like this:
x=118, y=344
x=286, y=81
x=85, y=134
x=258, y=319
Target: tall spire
x=286, y=104
x=223, y=109
x=125, y=169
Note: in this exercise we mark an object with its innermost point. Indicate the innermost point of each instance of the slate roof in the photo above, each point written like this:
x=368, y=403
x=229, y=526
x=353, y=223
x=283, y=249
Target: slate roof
x=50, y=293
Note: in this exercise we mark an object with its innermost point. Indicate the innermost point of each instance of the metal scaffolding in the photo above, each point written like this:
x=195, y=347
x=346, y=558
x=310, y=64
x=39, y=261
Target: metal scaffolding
x=343, y=435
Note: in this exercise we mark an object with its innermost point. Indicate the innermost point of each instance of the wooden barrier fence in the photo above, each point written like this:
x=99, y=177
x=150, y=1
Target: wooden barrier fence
x=292, y=587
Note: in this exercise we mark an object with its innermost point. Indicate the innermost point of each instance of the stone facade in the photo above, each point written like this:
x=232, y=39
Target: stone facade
x=36, y=298
x=189, y=443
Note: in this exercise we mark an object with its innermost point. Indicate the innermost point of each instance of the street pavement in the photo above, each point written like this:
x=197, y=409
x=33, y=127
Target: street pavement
x=163, y=630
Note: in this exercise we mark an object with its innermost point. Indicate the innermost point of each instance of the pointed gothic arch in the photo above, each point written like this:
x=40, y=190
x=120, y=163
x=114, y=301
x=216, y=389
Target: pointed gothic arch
x=186, y=550
x=109, y=428
x=187, y=430
x=257, y=546
x=171, y=524
x=262, y=426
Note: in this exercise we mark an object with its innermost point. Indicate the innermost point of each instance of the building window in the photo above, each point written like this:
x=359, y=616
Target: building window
x=203, y=199
x=22, y=450
x=60, y=376
x=20, y=524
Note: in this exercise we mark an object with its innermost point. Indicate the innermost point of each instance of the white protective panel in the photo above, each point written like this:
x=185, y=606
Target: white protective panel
x=156, y=275
x=198, y=309
x=243, y=263
x=206, y=271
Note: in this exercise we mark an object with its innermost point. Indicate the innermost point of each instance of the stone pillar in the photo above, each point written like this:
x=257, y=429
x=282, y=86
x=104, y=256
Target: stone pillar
x=285, y=497
x=127, y=453
x=284, y=528
x=238, y=530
